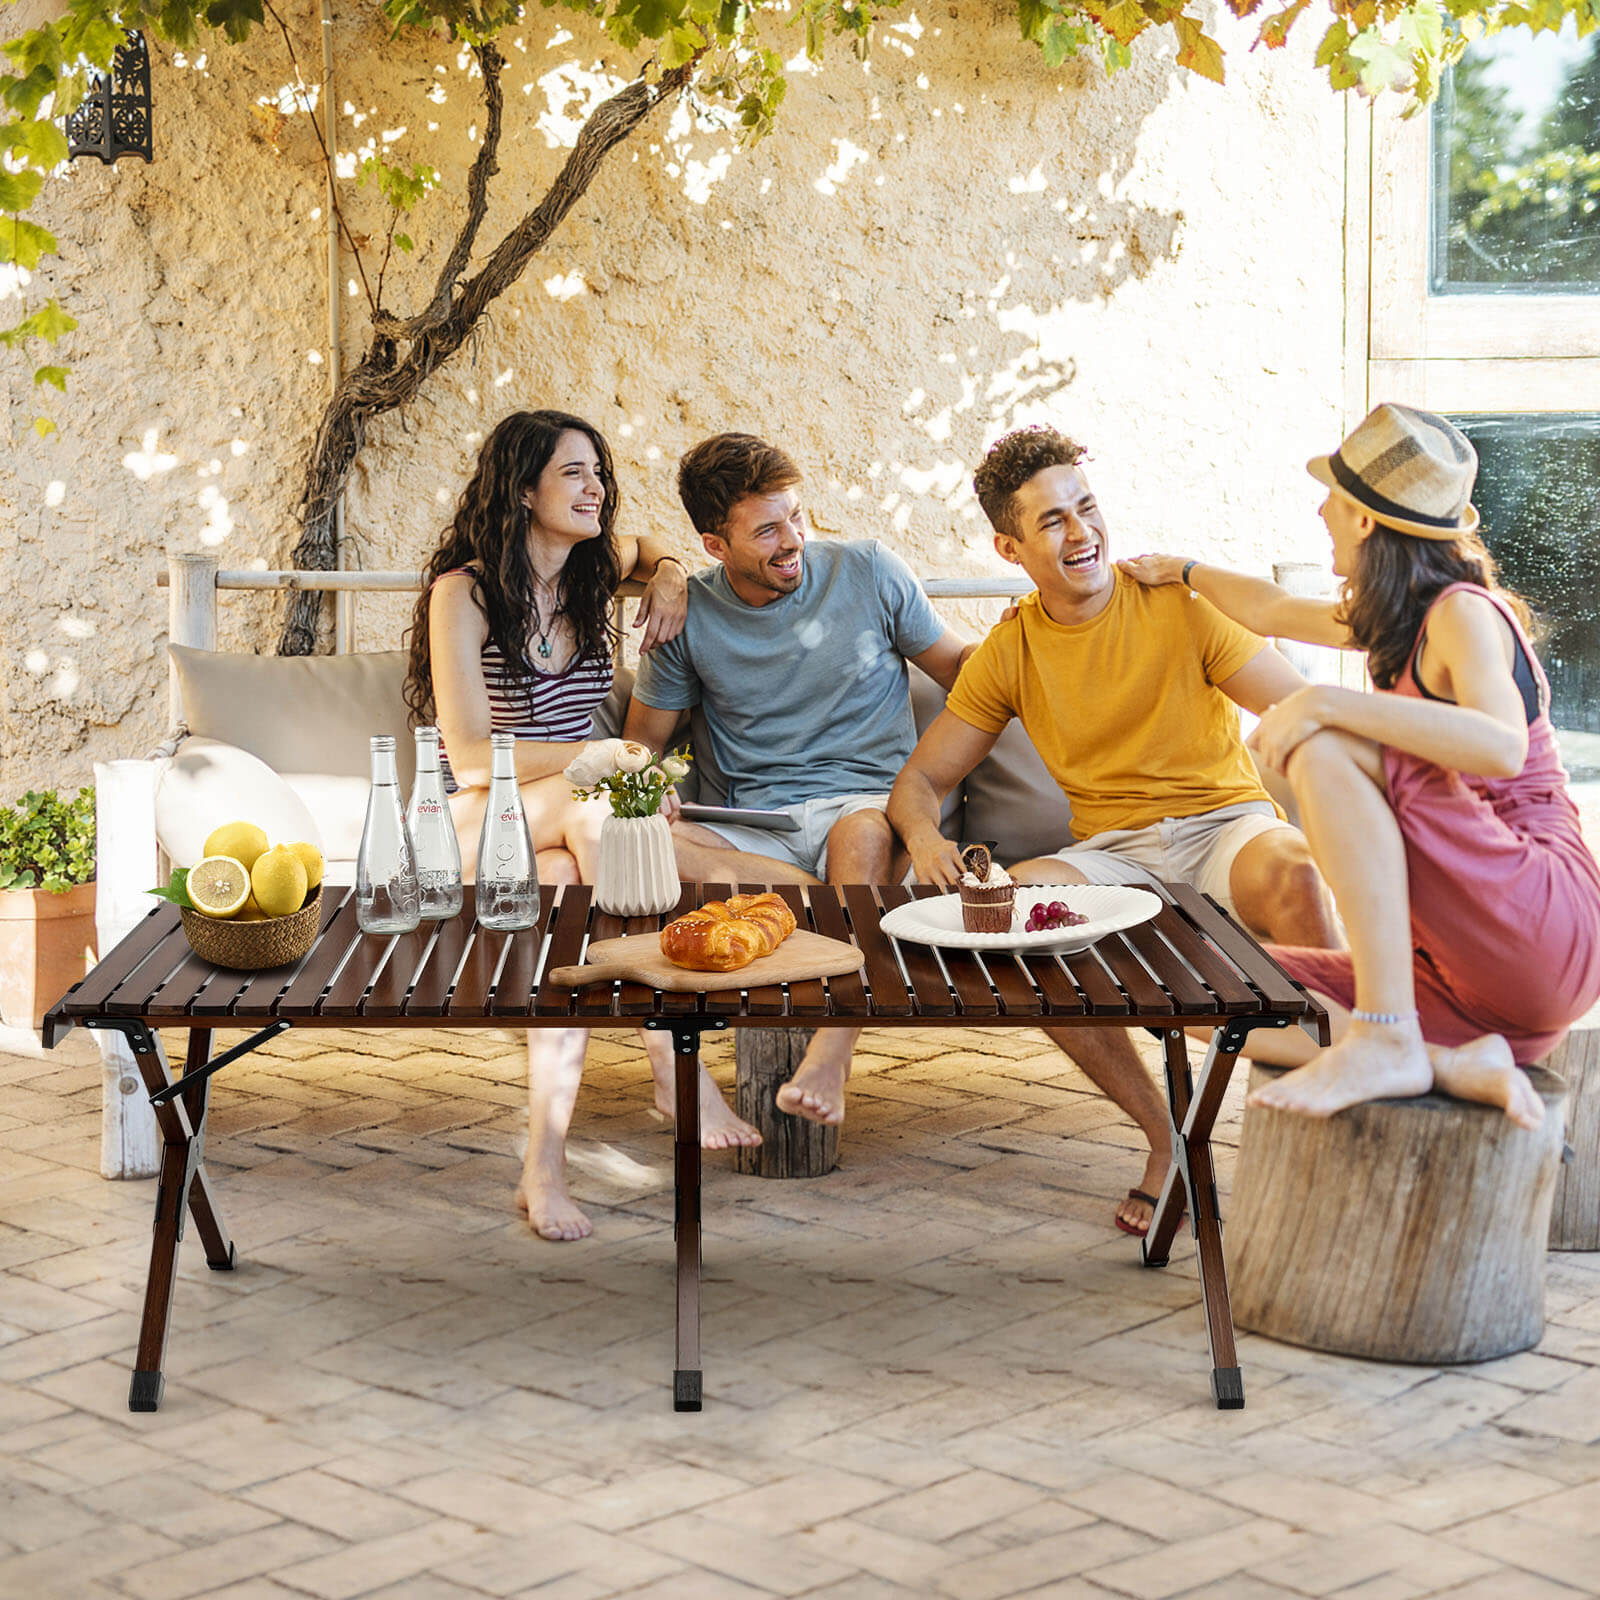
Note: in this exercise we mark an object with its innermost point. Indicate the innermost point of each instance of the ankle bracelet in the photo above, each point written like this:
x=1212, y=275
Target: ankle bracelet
x=1388, y=1019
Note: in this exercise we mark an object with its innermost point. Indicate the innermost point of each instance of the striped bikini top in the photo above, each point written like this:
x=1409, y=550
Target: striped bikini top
x=557, y=707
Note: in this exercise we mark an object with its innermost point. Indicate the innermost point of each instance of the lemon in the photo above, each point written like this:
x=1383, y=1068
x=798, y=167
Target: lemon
x=244, y=841
x=250, y=911
x=279, y=881
x=311, y=860
x=218, y=886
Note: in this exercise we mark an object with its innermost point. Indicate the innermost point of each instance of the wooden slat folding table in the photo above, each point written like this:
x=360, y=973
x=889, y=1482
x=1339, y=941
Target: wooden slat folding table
x=1190, y=967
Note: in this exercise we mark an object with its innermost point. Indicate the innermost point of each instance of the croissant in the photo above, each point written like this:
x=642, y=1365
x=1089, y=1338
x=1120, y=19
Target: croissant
x=724, y=935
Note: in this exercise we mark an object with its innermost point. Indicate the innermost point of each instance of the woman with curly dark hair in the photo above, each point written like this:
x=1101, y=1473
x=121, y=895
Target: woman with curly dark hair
x=514, y=634
x=1437, y=807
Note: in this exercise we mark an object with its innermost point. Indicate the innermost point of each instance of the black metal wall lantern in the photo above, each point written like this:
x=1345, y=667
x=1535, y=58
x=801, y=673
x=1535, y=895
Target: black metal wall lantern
x=113, y=118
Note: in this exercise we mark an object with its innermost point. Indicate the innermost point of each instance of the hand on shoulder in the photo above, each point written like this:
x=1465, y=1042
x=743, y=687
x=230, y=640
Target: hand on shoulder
x=1153, y=570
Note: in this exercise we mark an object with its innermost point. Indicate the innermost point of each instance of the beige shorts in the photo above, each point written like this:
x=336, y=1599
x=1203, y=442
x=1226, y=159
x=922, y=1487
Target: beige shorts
x=1197, y=850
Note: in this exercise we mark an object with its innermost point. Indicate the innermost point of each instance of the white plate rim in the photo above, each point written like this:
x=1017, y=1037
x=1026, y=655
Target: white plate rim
x=1144, y=905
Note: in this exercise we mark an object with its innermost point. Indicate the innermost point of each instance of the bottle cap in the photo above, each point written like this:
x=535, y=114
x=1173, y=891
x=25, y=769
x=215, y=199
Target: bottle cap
x=502, y=741
x=382, y=742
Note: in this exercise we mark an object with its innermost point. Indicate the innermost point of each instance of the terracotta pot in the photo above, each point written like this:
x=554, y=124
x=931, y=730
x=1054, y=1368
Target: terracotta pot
x=47, y=943
x=636, y=871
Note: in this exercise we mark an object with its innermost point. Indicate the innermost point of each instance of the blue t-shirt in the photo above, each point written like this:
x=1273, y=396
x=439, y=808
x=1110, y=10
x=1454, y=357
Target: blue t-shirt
x=807, y=695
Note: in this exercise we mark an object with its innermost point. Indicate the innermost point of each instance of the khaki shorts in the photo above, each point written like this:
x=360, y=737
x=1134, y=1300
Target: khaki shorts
x=1197, y=850
x=807, y=846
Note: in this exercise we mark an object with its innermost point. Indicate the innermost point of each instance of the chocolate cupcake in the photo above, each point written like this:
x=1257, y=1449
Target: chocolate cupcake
x=987, y=893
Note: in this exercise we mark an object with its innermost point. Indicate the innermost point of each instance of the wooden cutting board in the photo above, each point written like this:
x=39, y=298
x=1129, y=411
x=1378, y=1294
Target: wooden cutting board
x=639, y=958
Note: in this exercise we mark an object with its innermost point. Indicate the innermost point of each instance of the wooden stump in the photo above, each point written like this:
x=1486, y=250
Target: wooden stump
x=1575, y=1213
x=791, y=1147
x=1403, y=1230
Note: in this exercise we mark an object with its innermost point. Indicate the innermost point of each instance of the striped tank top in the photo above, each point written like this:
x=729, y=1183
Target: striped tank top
x=556, y=707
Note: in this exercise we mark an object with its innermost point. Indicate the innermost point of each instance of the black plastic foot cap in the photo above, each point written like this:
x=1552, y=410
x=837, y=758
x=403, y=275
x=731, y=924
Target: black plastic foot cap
x=685, y=1391
x=1227, y=1384
x=1150, y=1260
x=144, y=1393
x=227, y=1262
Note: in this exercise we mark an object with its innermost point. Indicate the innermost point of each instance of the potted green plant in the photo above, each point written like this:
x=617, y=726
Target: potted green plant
x=46, y=901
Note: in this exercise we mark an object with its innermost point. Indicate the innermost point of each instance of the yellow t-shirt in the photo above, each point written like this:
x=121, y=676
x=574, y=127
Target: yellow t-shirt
x=1124, y=708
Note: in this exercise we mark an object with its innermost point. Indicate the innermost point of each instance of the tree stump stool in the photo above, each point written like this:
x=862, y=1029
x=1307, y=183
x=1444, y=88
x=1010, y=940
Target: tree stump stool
x=791, y=1147
x=1575, y=1212
x=1402, y=1230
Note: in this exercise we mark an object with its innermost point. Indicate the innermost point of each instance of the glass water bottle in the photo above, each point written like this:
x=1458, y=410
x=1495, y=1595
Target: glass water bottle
x=433, y=834
x=387, y=900
x=508, y=880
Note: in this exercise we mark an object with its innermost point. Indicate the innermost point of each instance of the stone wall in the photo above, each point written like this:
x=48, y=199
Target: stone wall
x=932, y=248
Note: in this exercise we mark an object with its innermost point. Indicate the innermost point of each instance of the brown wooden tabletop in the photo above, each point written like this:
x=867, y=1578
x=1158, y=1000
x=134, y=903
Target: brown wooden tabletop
x=1190, y=964
x=1189, y=967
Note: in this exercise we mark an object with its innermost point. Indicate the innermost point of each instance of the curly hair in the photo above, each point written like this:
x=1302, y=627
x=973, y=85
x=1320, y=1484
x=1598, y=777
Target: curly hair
x=1396, y=578
x=1011, y=461
x=490, y=533
x=720, y=471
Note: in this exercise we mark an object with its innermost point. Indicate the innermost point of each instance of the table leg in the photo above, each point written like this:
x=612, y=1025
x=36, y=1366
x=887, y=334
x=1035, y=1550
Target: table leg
x=1194, y=1114
x=182, y=1185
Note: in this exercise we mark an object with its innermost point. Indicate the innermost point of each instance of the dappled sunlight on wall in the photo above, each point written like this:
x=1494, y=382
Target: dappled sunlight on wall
x=936, y=245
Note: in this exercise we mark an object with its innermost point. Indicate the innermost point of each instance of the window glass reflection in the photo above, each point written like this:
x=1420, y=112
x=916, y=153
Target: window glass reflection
x=1539, y=495
x=1516, y=166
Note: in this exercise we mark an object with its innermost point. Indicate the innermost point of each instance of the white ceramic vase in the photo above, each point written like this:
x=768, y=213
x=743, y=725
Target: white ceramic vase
x=636, y=874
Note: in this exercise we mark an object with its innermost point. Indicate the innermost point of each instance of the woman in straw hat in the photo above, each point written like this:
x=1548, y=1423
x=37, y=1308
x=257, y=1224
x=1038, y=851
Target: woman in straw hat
x=1437, y=808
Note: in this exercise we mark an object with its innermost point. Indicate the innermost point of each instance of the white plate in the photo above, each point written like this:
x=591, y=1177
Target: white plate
x=1109, y=908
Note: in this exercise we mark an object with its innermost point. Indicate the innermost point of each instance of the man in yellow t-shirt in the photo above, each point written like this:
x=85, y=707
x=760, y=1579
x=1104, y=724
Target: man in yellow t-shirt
x=1129, y=694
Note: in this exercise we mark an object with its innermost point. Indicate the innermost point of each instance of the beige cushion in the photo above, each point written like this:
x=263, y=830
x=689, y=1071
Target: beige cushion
x=1014, y=801
x=299, y=714
x=207, y=784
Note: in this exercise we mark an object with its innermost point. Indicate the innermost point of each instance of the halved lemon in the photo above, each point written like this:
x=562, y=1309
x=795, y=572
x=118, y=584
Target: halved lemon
x=218, y=886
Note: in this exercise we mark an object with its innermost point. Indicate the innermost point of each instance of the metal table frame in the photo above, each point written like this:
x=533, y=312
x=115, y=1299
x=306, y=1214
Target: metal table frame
x=1190, y=967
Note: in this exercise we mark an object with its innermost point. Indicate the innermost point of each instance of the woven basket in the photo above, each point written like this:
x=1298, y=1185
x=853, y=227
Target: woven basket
x=254, y=946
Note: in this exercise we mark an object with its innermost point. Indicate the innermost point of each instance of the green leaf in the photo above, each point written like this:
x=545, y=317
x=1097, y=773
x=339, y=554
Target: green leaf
x=24, y=243
x=235, y=17
x=1124, y=21
x=56, y=376
x=177, y=890
x=18, y=190
x=49, y=322
x=44, y=427
x=681, y=47
x=25, y=94
x=38, y=143
x=402, y=241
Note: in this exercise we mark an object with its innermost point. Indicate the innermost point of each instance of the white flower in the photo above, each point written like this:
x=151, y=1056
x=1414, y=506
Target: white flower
x=597, y=760
x=675, y=767
x=631, y=756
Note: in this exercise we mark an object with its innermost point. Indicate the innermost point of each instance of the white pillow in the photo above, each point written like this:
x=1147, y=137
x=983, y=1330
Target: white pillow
x=208, y=783
x=340, y=806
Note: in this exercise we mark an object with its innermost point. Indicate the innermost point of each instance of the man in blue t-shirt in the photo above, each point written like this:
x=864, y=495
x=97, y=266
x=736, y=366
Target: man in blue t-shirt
x=796, y=654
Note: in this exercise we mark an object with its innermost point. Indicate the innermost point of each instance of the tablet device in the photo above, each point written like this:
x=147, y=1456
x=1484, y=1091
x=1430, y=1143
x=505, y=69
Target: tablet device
x=776, y=821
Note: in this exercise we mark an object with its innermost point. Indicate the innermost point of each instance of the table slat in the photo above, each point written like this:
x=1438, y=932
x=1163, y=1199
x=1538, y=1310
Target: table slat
x=220, y=996
x=471, y=995
x=305, y=988
x=932, y=988
x=430, y=990
x=394, y=982
x=599, y=999
x=260, y=994
x=847, y=995
x=571, y=917
x=1018, y=997
x=890, y=997
x=513, y=995
x=1061, y=995
x=178, y=993
x=807, y=997
x=1132, y=978
x=1187, y=991
x=974, y=996
x=127, y=998
x=1100, y=992
x=1280, y=992
x=635, y=999
x=86, y=996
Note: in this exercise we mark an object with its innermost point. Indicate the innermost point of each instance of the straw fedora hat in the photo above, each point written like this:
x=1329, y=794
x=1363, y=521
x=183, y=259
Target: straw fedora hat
x=1409, y=469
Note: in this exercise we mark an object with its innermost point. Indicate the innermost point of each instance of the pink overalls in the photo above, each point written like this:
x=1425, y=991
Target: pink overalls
x=1505, y=895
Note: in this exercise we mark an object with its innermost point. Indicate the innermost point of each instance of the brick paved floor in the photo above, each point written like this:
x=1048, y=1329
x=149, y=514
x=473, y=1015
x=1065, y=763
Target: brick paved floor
x=938, y=1372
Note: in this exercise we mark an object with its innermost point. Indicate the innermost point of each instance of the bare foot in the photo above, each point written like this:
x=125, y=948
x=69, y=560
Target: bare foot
x=1371, y=1062
x=550, y=1210
x=816, y=1091
x=1135, y=1215
x=1483, y=1070
x=720, y=1128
